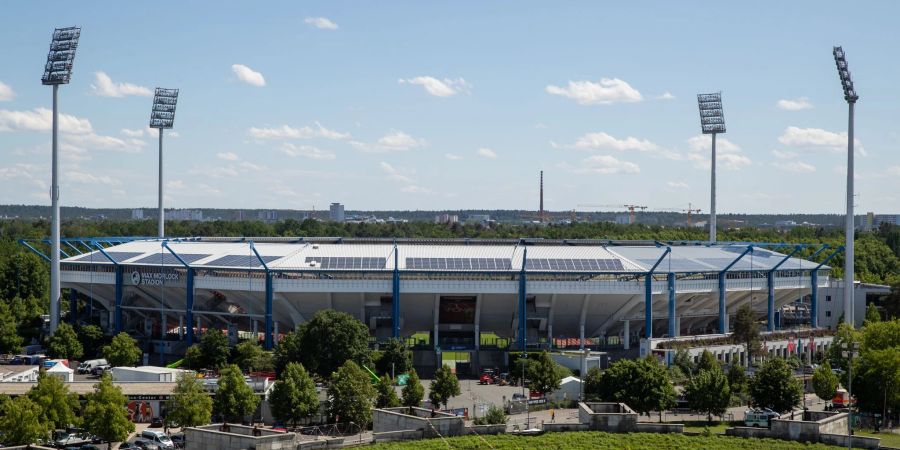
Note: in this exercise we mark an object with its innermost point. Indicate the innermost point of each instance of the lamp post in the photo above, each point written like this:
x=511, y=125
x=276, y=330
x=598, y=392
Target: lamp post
x=161, y=117
x=849, y=351
x=57, y=71
x=850, y=97
x=712, y=121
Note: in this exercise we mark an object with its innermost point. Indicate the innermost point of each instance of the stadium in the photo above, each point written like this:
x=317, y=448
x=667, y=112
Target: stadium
x=482, y=297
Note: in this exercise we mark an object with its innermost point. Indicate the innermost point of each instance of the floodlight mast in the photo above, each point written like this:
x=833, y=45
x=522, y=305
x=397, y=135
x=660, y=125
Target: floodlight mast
x=851, y=97
x=57, y=71
x=161, y=117
x=712, y=121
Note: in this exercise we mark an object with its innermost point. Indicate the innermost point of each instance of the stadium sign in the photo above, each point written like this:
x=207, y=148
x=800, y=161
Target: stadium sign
x=139, y=278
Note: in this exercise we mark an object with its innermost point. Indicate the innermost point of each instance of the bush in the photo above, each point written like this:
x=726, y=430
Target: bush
x=495, y=416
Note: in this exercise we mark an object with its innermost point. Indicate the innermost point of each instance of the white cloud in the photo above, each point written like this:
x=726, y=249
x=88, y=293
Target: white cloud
x=88, y=178
x=784, y=155
x=794, y=104
x=817, y=138
x=439, y=88
x=485, y=152
x=93, y=141
x=306, y=151
x=393, y=141
x=321, y=23
x=678, y=185
x=133, y=133
x=41, y=119
x=452, y=156
x=603, y=141
x=894, y=171
x=227, y=156
x=607, y=91
x=728, y=161
x=6, y=92
x=394, y=174
x=414, y=189
x=173, y=134
x=604, y=164
x=304, y=132
x=252, y=167
x=666, y=96
x=795, y=166
x=104, y=86
x=703, y=143
x=248, y=75
x=176, y=185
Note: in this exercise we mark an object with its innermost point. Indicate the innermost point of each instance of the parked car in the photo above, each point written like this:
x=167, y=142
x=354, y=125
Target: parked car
x=73, y=439
x=144, y=444
x=156, y=422
x=159, y=439
x=178, y=440
x=100, y=370
x=89, y=365
x=128, y=446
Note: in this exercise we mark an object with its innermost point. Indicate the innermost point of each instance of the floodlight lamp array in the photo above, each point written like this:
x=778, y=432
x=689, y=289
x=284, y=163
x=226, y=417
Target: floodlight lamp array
x=164, y=102
x=61, y=57
x=712, y=117
x=840, y=60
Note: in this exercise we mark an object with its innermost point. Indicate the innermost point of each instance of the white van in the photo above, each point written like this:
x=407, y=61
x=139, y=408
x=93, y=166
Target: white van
x=90, y=365
x=159, y=439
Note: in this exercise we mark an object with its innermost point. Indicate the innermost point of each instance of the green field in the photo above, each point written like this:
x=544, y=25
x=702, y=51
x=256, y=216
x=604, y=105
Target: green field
x=597, y=440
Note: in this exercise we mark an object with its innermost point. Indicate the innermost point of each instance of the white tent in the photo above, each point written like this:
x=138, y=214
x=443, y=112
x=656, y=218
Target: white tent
x=64, y=373
x=569, y=389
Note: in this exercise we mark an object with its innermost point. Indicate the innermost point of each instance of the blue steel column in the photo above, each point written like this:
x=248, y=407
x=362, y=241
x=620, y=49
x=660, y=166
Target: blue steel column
x=395, y=298
x=189, y=307
x=270, y=339
x=722, y=318
x=118, y=312
x=522, y=313
x=814, y=299
x=671, y=280
x=73, y=306
x=770, y=281
x=648, y=305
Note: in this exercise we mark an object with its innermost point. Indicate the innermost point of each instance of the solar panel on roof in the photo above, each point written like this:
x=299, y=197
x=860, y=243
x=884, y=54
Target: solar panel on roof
x=118, y=256
x=240, y=261
x=574, y=264
x=344, y=262
x=743, y=264
x=170, y=259
x=458, y=263
x=678, y=265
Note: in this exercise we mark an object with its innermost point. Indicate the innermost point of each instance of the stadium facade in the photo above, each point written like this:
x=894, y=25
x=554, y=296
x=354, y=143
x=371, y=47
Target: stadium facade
x=446, y=294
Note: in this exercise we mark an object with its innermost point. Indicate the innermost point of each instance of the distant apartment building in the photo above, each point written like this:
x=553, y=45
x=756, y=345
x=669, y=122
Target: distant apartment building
x=893, y=219
x=137, y=214
x=267, y=216
x=185, y=214
x=337, y=212
x=476, y=219
x=446, y=218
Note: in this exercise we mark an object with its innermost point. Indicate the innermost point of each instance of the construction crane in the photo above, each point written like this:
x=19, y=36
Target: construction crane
x=630, y=209
x=690, y=210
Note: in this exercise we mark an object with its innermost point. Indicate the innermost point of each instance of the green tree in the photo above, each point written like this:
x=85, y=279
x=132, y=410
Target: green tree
x=105, y=415
x=294, y=395
x=325, y=342
x=495, y=416
x=775, y=387
x=844, y=335
x=58, y=405
x=395, y=359
x=91, y=337
x=707, y=362
x=122, y=351
x=683, y=361
x=745, y=331
x=708, y=392
x=444, y=386
x=413, y=393
x=351, y=395
x=824, y=382
x=593, y=385
x=642, y=384
x=64, y=343
x=214, y=349
x=387, y=396
x=872, y=314
x=10, y=341
x=234, y=398
x=190, y=405
x=193, y=358
x=545, y=376
x=22, y=422
x=249, y=356
x=737, y=379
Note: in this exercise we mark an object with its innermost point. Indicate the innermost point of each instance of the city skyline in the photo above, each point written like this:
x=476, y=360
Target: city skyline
x=414, y=106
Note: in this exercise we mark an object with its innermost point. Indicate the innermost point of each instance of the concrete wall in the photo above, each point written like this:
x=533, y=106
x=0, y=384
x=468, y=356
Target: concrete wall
x=858, y=441
x=609, y=417
x=405, y=419
x=648, y=427
x=486, y=429
x=748, y=432
x=548, y=426
x=808, y=429
x=214, y=437
x=400, y=435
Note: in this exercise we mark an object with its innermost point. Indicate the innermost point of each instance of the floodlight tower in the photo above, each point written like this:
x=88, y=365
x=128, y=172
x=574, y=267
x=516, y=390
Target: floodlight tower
x=57, y=71
x=850, y=96
x=162, y=117
x=712, y=121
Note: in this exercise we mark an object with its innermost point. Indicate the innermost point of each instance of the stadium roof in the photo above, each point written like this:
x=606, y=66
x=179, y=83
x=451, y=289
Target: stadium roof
x=422, y=255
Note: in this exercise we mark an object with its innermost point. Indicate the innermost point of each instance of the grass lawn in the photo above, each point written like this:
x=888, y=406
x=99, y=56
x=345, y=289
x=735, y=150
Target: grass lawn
x=699, y=426
x=596, y=440
x=887, y=439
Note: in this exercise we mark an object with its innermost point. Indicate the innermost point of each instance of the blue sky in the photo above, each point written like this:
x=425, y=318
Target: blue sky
x=420, y=105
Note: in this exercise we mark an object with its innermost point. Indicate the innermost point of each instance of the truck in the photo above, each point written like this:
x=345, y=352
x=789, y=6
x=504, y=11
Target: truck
x=759, y=417
x=842, y=399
